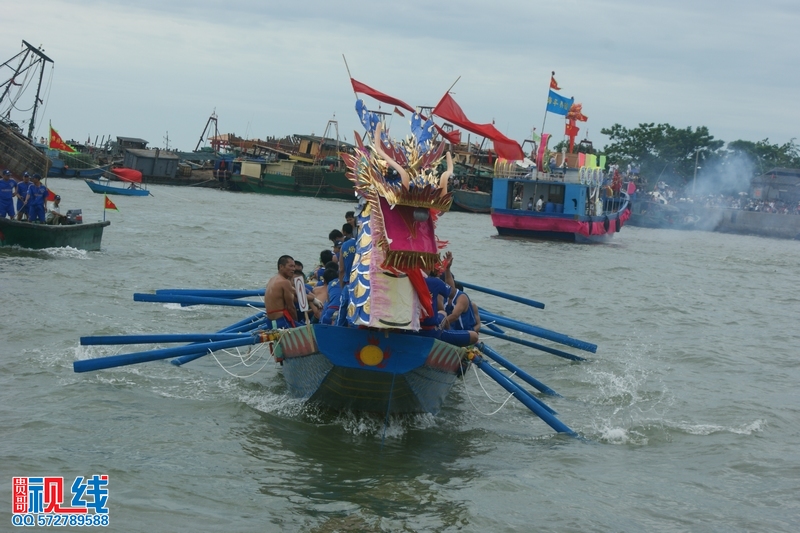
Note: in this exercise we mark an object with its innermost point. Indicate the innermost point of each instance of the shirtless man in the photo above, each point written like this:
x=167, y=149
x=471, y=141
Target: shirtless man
x=279, y=296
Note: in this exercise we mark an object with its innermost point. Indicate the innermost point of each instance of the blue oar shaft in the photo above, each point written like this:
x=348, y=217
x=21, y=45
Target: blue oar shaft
x=493, y=327
x=213, y=293
x=255, y=319
x=507, y=296
x=521, y=374
x=158, y=338
x=240, y=327
x=523, y=396
x=194, y=300
x=538, y=332
x=88, y=365
x=524, y=342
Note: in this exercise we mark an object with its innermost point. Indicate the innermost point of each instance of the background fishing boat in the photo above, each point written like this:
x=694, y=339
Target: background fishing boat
x=38, y=236
x=293, y=179
x=130, y=183
x=300, y=165
x=576, y=205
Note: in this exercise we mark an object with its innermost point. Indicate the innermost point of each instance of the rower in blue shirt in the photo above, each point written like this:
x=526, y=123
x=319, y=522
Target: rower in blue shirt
x=22, y=193
x=36, y=197
x=8, y=190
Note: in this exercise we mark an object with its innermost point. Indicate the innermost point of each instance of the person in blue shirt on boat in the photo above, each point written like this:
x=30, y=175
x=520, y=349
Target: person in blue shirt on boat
x=22, y=193
x=331, y=310
x=8, y=190
x=37, y=195
x=462, y=313
x=432, y=326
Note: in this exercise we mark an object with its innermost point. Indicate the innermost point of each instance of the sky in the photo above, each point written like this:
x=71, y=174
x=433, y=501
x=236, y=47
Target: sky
x=152, y=69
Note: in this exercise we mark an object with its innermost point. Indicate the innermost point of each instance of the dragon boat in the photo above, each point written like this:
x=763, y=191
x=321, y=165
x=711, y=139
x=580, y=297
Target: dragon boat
x=380, y=357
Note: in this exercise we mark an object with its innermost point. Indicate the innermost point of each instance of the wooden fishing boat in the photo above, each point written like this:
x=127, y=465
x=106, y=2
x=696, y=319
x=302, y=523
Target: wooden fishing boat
x=293, y=179
x=38, y=236
x=472, y=201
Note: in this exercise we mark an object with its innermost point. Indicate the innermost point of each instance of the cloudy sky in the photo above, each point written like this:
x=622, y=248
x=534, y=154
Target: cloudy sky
x=145, y=68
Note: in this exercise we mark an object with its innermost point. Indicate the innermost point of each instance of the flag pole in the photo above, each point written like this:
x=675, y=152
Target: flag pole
x=350, y=76
x=105, y=197
x=544, y=119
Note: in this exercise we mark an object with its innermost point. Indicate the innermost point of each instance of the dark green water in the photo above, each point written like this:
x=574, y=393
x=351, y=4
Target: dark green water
x=689, y=410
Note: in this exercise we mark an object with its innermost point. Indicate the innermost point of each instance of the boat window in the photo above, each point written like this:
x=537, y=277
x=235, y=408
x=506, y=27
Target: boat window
x=555, y=194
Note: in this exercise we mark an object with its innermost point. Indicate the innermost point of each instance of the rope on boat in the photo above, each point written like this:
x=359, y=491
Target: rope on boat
x=251, y=352
x=487, y=395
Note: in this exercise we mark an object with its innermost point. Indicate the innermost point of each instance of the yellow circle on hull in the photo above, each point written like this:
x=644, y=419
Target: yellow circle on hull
x=371, y=355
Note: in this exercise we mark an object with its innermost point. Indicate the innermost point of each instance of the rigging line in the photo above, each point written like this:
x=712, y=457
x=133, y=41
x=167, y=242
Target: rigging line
x=236, y=375
x=484, y=389
x=473, y=403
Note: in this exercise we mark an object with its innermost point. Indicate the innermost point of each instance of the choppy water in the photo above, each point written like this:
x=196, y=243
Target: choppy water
x=689, y=410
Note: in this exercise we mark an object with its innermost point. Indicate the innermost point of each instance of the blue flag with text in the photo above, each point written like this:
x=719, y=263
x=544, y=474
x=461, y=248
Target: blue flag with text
x=558, y=104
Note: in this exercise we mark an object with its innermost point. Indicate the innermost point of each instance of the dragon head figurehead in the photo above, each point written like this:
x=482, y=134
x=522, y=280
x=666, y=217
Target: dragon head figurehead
x=403, y=188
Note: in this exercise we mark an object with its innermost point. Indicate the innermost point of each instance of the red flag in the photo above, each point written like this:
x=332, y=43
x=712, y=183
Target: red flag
x=453, y=137
x=51, y=196
x=379, y=96
x=553, y=83
x=506, y=148
x=57, y=143
x=398, y=111
x=109, y=204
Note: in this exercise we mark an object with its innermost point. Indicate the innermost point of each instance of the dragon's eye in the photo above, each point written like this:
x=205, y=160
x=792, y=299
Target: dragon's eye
x=421, y=215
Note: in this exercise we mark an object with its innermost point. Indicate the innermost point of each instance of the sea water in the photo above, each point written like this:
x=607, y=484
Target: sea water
x=687, y=414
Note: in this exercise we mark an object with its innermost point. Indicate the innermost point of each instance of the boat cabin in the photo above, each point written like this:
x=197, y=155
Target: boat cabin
x=559, y=196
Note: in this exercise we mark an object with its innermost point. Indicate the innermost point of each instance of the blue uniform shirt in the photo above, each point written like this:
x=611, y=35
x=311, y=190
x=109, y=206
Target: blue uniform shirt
x=7, y=189
x=437, y=288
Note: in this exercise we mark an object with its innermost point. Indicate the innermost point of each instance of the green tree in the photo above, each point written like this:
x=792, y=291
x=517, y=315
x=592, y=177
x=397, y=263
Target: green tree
x=766, y=156
x=662, y=151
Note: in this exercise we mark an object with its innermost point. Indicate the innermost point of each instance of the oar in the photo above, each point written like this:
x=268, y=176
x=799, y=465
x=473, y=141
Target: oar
x=88, y=365
x=254, y=319
x=493, y=327
x=523, y=396
x=524, y=376
x=524, y=342
x=158, y=338
x=507, y=296
x=194, y=300
x=538, y=332
x=239, y=328
x=213, y=293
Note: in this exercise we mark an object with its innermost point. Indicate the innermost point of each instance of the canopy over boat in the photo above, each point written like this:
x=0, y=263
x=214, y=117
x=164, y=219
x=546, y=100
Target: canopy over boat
x=128, y=174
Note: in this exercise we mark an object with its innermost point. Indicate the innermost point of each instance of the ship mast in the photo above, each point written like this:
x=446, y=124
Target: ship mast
x=41, y=60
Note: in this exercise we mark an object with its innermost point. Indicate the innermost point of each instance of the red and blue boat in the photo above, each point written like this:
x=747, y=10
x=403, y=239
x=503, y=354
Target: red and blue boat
x=576, y=206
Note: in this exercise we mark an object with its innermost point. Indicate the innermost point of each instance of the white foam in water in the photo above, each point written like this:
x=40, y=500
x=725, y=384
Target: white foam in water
x=66, y=252
x=709, y=429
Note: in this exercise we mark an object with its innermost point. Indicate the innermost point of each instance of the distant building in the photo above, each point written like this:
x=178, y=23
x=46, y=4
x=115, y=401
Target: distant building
x=778, y=184
x=131, y=142
x=153, y=163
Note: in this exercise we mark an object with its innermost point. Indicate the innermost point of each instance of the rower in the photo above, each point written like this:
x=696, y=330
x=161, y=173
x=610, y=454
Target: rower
x=279, y=297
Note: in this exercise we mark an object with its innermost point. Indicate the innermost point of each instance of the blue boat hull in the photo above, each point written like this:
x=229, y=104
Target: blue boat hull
x=368, y=371
x=61, y=171
x=108, y=189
